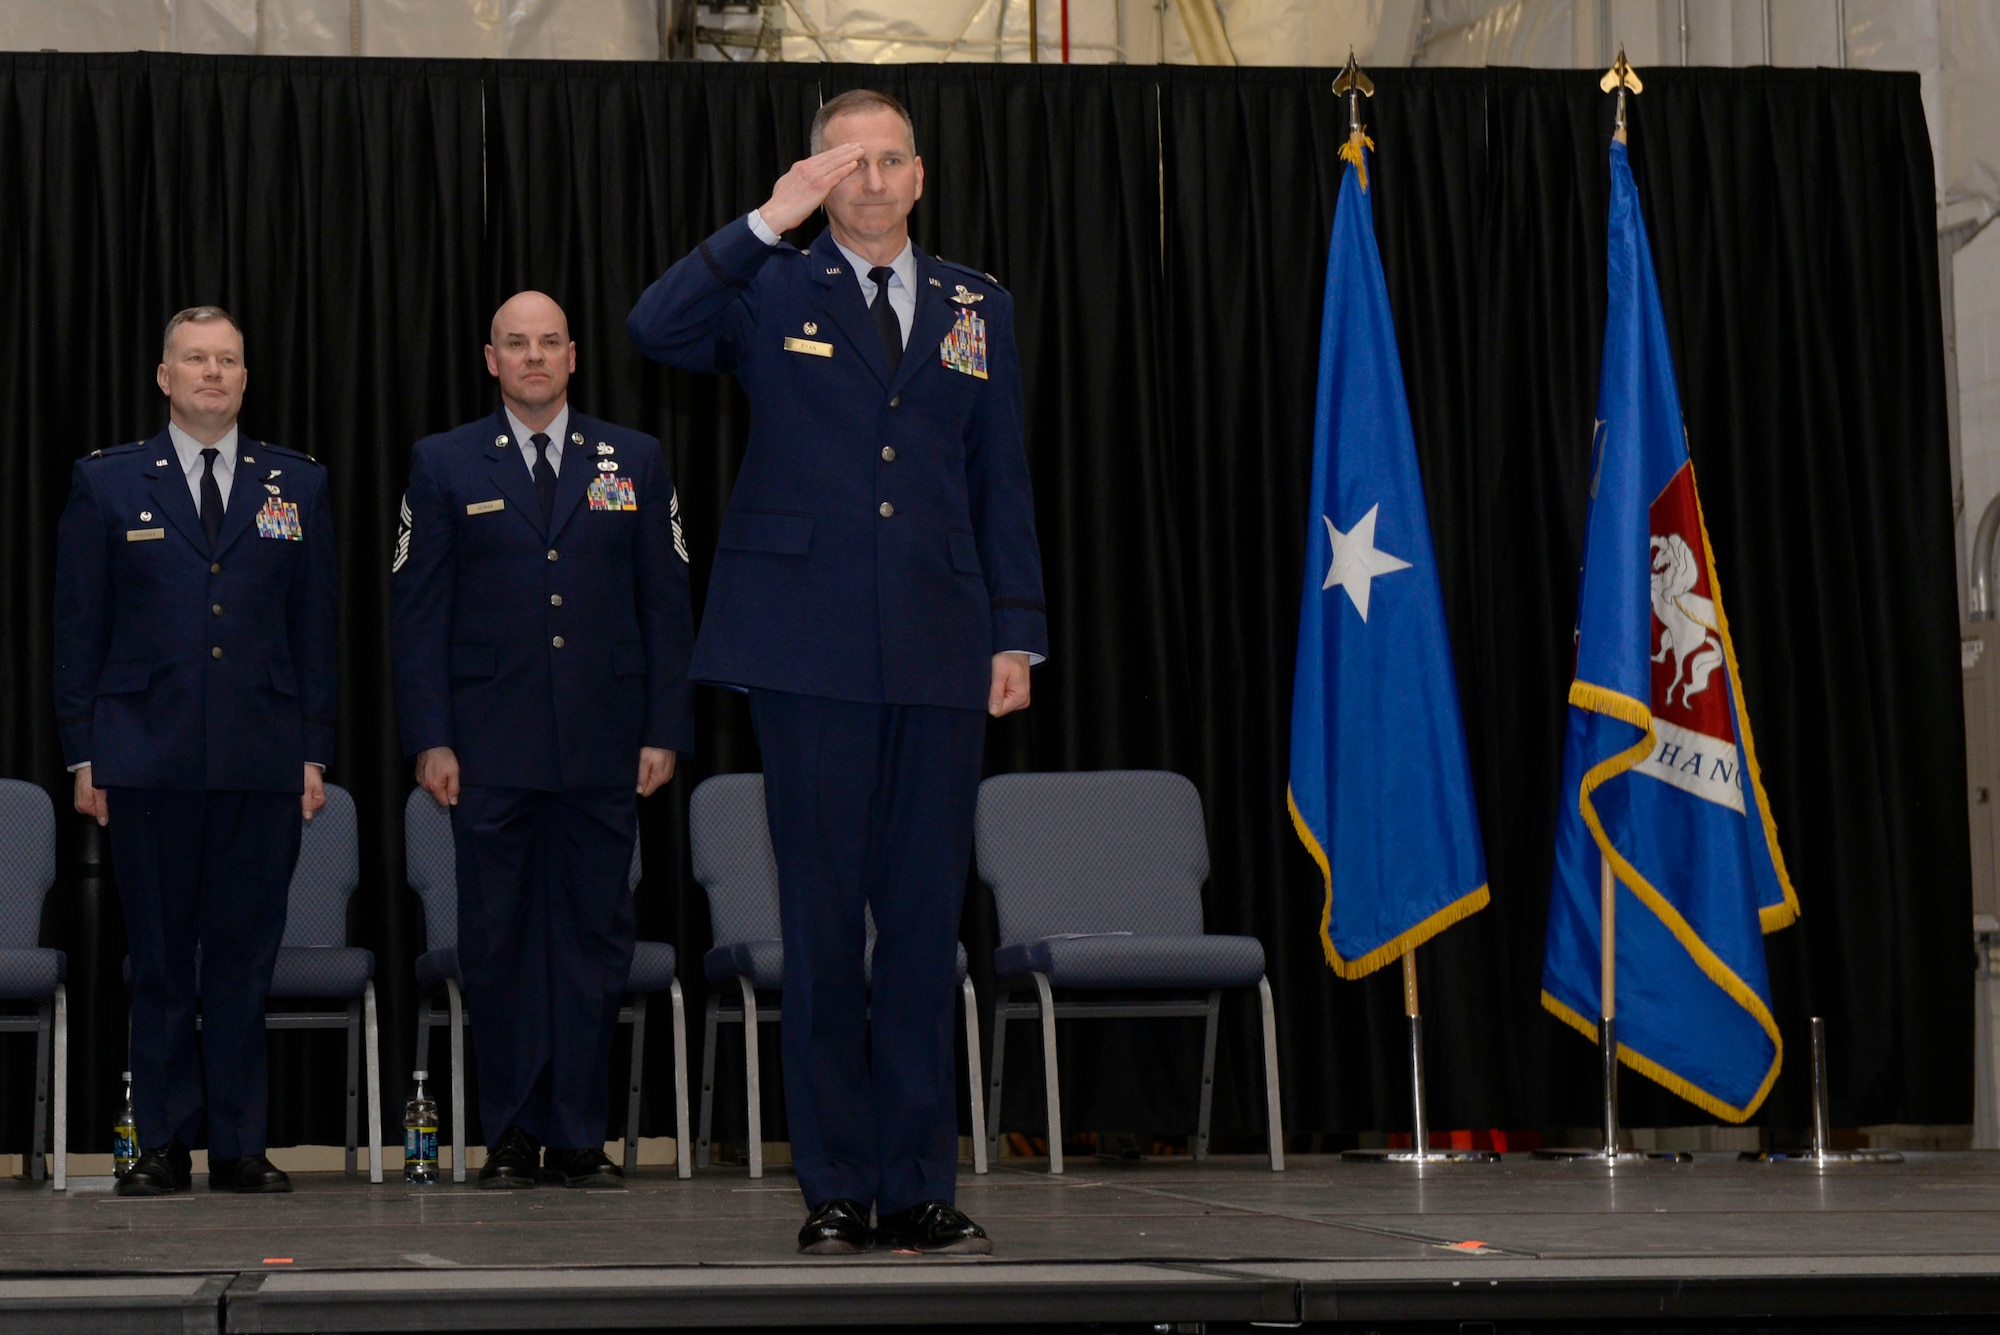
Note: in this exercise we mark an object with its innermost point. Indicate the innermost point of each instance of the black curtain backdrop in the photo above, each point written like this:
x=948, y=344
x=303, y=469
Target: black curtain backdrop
x=1164, y=232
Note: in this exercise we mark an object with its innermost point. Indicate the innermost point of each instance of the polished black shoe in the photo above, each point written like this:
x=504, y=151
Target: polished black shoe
x=160, y=1172
x=252, y=1174
x=937, y=1228
x=515, y=1162
x=581, y=1168
x=837, y=1228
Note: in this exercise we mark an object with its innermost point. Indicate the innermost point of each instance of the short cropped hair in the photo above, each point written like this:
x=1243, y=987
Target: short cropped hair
x=195, y=315
x=859, y=99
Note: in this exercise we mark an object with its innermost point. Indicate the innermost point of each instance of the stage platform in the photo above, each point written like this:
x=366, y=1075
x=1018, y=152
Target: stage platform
x=1220, y=1246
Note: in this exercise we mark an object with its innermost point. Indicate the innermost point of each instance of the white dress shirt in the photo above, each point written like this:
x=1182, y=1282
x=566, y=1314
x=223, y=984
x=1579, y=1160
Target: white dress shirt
x=188, y=451
x=557, y=431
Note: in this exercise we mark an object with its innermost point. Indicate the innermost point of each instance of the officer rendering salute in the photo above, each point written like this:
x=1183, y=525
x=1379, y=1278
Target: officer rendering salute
x=195, y=681
x=877, y=587
x=541, y=643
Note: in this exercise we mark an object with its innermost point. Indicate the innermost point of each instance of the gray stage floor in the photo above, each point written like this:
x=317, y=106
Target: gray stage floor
x=1227, y=1243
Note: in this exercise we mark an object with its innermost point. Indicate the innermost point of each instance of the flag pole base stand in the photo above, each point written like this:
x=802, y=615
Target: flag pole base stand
x=1822, y=1160
x=1420, y=1156
x=1599, y=1155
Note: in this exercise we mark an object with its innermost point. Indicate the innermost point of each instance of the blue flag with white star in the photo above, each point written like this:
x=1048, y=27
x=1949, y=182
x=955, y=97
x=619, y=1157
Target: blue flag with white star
x=1381, y=790
x=1660, y=779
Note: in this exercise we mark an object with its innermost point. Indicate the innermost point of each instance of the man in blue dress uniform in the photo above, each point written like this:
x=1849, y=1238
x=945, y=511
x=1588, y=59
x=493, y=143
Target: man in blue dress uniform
x=877, y=587
x=196, y=678
x=542, y=632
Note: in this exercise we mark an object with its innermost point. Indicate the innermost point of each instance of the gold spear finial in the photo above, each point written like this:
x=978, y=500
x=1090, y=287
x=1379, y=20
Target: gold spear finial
x=1622, y=77
x=1355, y=84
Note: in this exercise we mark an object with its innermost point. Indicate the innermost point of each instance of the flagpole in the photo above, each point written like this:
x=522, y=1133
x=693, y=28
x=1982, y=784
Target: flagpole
x=1420, y=1150
x=1607, y=1040
x=1820, y=1155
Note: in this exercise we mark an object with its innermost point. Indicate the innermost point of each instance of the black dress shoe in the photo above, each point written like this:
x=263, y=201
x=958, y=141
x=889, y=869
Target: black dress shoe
x=581, y=1168
x=934, y=1227
x=252, y=1174
x=160, y=1172
x=515, y=1162
x=837, y=1228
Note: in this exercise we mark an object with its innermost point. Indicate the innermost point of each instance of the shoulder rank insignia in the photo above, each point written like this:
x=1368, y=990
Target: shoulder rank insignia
x=965, y=298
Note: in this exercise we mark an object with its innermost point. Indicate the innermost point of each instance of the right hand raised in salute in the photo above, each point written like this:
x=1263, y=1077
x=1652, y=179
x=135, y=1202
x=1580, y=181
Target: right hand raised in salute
x=805, y=187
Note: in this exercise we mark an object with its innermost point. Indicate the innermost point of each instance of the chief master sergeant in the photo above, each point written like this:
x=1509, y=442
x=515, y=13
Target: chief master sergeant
x=541, y=634
x=196, y=676
x=877, y=587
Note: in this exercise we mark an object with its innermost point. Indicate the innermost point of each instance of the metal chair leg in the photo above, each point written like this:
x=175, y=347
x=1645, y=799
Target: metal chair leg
x=707, y=1077
x=353, y=1081
x=753, y=1084
x=425, y=1010
x=45, y=1019
x=1207, y=1075
x=635, y=1077
x=975, y=1095
x=1046, y=1000
x=1000, y=1005
x=457, y=1005
x=372, y=1035
x=683, y=1164
x=1273, y=1106
x=61, y=1100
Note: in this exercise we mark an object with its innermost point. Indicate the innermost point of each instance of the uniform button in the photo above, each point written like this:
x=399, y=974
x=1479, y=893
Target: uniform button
x=216, y=608
x=216, y=652
x=888, y=454
x=555, y=600
x=886, y=510
x=557, y=641
x=215, y=569
x=896, y=402
x=552, y=553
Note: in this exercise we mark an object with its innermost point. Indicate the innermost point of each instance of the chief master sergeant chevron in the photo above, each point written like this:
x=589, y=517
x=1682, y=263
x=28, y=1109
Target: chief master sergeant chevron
x=196, y=675
x=877, y=586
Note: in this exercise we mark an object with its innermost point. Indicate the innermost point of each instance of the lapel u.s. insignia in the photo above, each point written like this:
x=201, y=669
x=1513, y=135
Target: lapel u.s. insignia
x=834, y=269
x=964, y=298
x=964, y=348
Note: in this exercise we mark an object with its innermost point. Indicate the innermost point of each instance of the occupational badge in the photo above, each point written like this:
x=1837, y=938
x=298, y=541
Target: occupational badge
x=965, y=298
x=964, y=348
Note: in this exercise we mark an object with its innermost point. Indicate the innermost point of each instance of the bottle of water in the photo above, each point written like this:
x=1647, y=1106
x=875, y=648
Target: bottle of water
x=125, y=1133
x=420, y=1135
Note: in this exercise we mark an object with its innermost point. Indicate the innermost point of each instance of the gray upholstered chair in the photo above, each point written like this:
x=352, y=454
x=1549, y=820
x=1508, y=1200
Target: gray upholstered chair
x=730, y=838
x=431, y=861
x=1096, y=878
x=315, y=963
x=30, y=971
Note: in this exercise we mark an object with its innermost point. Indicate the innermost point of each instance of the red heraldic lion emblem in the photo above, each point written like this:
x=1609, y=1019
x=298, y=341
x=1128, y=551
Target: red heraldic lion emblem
x=1694, y=719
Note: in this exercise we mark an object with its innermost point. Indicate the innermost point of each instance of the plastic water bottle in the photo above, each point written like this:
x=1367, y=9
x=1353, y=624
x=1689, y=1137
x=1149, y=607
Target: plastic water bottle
x=420, y=1135
x=125, y=1133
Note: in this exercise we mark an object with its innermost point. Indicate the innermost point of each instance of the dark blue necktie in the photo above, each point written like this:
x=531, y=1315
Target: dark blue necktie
x=887, y=326
x=545, y=475
x=211, y=497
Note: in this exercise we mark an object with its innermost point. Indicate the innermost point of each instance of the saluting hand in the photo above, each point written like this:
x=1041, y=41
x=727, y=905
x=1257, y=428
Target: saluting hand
x=656, y=766
x=806, y=186
x=1010, y=685
x=437, y=774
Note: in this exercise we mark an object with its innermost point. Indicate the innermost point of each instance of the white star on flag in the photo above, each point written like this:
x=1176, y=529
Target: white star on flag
x=1356, y=560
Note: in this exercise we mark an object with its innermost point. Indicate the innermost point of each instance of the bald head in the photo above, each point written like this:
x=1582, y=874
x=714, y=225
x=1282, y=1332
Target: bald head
x=532, y=357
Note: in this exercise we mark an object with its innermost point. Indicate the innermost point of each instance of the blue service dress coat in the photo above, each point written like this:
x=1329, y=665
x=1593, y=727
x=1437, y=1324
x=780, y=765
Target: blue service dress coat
x=177, y=667
x=544, y=655
x=879, y=545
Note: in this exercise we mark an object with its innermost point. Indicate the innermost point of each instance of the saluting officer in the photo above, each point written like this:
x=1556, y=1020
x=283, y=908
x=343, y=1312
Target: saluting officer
x=196, y=679
x=542, y=633
x=877, y=587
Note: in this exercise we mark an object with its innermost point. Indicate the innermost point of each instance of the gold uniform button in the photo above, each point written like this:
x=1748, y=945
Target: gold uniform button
x=557, y=642
x=215, y=569
x=555, y=600
x=216, y=652
x=216, y=608
x=888, y=454
x=552, y=553
x=886, y=510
